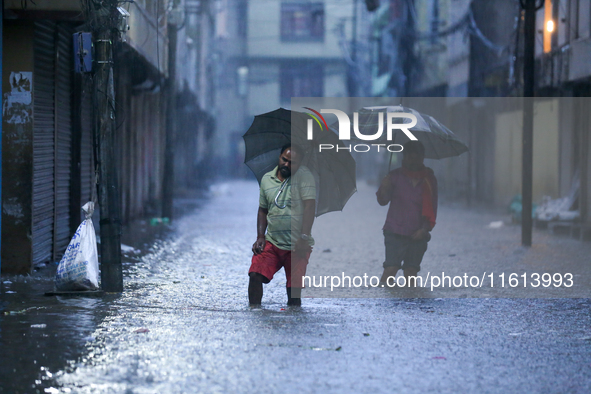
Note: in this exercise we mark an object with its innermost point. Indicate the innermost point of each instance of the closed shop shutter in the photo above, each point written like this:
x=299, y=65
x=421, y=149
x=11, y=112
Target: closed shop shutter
x=43, y=142
x=52, y=88
x=63, y=138
x=86, y=146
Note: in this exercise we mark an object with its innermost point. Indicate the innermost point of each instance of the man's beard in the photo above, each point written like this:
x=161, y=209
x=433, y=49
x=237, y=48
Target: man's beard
x=285, y=172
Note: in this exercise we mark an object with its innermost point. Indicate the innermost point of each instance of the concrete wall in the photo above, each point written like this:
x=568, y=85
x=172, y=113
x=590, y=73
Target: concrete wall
x=17, y=150
x=568, y=110
x=335, y=80
x=508, y=149
x=263, y=91
x=148, y=36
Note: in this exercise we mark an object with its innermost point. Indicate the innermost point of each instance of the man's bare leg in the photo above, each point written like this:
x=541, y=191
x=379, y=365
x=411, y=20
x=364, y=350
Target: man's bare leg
x=294, y=295
x=388, y=271
x=410, y=275
x=255, y=288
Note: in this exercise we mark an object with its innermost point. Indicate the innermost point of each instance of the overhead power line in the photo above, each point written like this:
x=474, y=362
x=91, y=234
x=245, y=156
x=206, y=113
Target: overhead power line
x=466, y=23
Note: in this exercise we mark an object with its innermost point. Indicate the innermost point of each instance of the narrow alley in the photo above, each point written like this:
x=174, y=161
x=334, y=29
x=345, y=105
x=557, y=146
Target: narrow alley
x=183, y=323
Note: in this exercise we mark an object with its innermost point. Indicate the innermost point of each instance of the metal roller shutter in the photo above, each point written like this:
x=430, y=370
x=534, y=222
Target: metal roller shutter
x=43, y=142
x=52, y=85
x=63, y=138
x=86, y=146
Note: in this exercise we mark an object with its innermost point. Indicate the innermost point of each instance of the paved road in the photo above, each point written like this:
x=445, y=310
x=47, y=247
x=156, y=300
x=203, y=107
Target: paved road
x=183, y=324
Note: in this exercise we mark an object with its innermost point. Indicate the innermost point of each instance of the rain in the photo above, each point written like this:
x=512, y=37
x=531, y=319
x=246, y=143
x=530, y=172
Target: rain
x=444, y=144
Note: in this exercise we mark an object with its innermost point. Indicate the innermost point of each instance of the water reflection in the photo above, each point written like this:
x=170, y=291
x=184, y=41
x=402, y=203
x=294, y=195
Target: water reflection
x=39, y=335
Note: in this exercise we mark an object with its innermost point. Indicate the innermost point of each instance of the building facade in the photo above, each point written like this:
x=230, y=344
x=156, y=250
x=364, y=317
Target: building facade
x=49, y=161
x=465, y=50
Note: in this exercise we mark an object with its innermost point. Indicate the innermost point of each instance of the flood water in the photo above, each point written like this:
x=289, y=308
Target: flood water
x=183, y=325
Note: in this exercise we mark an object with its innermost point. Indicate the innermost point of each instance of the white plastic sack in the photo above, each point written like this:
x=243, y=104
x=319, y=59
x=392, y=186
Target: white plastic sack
x=558, y=209
x=78, y=269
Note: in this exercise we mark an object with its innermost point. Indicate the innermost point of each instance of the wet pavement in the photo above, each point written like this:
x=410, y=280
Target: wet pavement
x=183, y=324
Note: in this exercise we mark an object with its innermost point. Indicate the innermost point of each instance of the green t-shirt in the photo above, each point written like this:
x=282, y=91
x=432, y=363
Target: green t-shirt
x=283, y=223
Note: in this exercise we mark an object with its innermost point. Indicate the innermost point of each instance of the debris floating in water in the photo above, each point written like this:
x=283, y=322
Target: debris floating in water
x=497, y=224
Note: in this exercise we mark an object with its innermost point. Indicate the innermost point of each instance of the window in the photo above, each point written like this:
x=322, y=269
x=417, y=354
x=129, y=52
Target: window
x=302, y=22
x=306, y=80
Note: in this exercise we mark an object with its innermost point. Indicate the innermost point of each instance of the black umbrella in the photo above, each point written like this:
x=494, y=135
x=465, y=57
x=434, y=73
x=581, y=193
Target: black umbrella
x=333, y=169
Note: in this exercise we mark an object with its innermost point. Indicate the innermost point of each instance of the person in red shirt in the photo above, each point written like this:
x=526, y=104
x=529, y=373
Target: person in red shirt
x=411, y=191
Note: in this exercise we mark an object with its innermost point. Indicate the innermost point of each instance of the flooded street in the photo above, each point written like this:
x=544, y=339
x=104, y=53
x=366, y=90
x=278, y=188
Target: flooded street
x=183, y=323
x=428, y=132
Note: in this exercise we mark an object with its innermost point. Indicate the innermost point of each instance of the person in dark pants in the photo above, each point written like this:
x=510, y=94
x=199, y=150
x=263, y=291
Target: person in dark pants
x=411, y=191
x=287, y=204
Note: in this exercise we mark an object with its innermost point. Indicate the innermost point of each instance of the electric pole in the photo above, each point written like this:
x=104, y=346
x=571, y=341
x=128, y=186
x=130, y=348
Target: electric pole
x=529, y=53
x=104, y=17
x=168, y=181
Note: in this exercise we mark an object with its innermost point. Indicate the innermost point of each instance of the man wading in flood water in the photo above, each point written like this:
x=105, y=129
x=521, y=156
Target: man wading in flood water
x=287, y=203
x=411, y=191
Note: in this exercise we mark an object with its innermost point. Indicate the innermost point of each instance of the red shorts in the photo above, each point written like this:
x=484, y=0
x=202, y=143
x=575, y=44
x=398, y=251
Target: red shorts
x=271, y=259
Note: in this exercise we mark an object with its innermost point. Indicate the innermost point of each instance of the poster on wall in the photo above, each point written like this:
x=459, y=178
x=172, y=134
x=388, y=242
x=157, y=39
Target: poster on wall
x=16, y=106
